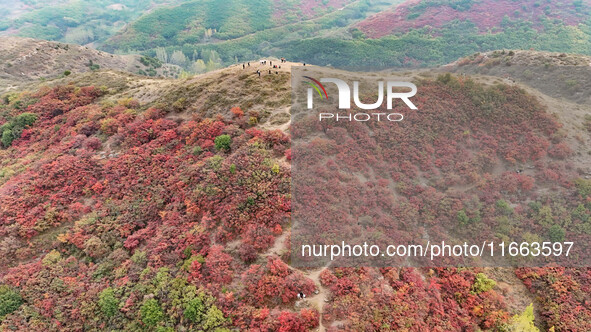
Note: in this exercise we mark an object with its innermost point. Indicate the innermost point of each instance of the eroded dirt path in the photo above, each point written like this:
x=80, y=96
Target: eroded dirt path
x=318, y=298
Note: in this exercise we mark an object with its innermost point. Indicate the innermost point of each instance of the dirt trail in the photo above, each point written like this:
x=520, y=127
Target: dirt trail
x=318, y=300
x=315, y=300
x=517, y=296
x=278, y=247
x=284, y=127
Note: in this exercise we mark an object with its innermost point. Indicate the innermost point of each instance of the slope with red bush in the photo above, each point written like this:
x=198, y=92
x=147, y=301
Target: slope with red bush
x=129, y=215
x=487, y=15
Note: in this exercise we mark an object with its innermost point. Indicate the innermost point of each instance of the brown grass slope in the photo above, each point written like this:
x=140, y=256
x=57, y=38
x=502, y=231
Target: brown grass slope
x=561, y=81
x=207, y=94
x=558, y=75
x=24, y=60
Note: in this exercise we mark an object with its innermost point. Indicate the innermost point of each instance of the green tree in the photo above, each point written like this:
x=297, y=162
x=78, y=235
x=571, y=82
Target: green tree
x=195, y=309
x=503, y=207
x=108, y=302
x=179, y=58
x=463, y=217
x=164, y=329
x=7, y=137
x=223, y=142
x=213, y=318
x=556, y=233
x=151, y=312
x=482, y=284
x=545, y=216
x=10, y=300
x=583, y=187
x=524, y=322
x=13, y=129
x=24, y=120
x=580, y=212
x=199, y=67
x=275, y=169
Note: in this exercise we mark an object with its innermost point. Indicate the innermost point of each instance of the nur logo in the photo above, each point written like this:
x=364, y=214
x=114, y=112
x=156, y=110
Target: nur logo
x=345, y=93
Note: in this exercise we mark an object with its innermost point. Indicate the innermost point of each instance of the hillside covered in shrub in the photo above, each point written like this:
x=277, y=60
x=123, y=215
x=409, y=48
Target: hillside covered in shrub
x=131, y=213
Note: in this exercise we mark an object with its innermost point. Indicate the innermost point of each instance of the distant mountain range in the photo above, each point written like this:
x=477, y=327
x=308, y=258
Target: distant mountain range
x=201, y=35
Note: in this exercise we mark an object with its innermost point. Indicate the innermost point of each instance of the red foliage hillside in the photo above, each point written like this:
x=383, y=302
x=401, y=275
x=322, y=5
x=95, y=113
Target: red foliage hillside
x=485, y=14
x=564, y=295
x=465, y=148
x=107, y=197
x=396, y=299
x=117, y=216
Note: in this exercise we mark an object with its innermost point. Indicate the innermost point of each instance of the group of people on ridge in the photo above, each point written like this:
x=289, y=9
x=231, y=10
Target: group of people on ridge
x=264, y=62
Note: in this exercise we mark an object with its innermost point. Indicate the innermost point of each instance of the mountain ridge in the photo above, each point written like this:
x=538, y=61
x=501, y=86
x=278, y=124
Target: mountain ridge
x=24, y=60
